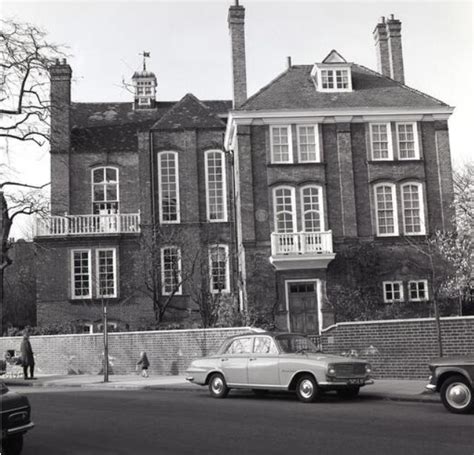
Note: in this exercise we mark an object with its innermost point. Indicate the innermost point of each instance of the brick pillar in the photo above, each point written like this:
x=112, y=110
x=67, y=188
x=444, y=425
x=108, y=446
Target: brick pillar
x=381, y=47
x=346, y=180
x=394, y=28
x=236, y=21
x=60, y=74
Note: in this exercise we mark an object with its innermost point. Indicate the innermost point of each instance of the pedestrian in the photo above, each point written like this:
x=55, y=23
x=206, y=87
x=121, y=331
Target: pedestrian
x=27, y=357
x=144, y=363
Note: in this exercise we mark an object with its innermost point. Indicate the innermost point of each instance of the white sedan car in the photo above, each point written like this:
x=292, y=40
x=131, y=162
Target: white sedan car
x=266, y=361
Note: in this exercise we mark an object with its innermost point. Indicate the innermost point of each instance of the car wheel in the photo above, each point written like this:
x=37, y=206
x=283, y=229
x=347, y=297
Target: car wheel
x=349, y=393
x=217, y=386
x=13, y=446
x=260, y=392
x=307, y=389
x=457, y=395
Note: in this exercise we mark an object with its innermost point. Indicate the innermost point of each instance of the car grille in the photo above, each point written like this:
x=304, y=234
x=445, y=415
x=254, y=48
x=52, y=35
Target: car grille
x=349, y=370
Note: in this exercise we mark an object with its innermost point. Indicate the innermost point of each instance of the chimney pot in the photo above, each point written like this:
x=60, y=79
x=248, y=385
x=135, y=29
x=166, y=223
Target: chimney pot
x=382, y=20
x=64, y=61
x=392, y=17
x=288, y=61
x=57, y=61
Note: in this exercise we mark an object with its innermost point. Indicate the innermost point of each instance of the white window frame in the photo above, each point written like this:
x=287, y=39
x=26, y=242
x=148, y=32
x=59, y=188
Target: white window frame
x=395, y=210
x=415, y=140
x=333, y=71
x=227, y=269
x=320, y=209
x=224, y=186
x=73, y=281
x=418, y=298
x=290, y=144
x=93, y=184
x=160, y=184
x=421, y=197
x=392, y=283
x=293, y=208
x=389, y=141
x=114, y=259
x=316, y=143
x=179, y=291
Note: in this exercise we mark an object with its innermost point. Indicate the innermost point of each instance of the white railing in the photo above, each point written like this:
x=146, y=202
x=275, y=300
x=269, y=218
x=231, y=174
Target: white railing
x=301, y=243
x=116, y=223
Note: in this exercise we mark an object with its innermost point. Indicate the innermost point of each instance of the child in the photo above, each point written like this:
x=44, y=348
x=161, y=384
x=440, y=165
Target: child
x=144, y=363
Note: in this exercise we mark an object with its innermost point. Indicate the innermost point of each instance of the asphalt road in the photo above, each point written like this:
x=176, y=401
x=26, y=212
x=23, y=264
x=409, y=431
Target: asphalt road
x=171, y=422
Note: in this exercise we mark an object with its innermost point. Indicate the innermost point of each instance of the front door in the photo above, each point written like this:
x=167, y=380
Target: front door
x=303, y=307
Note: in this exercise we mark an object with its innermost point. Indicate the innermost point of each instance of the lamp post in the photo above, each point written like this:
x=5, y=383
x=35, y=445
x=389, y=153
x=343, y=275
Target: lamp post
x=106, y=342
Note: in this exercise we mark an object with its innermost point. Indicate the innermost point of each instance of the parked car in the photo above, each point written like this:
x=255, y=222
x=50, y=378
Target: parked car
x=264, y=361
x=16, y=420
x=453, y=378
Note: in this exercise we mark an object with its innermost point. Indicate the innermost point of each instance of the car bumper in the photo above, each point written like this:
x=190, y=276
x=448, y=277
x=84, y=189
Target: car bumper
x=431, y=386
x=190, y=378
x=17, y=430
x=344, y=383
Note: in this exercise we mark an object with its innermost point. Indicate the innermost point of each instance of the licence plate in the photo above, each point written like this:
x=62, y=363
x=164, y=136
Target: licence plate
x=355, y=381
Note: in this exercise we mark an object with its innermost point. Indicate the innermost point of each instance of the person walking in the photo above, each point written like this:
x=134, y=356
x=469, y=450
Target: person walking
x=27, y=357
x=144, y=363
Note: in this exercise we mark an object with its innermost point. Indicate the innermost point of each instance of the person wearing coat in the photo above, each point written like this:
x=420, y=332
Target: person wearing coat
x=27, y=357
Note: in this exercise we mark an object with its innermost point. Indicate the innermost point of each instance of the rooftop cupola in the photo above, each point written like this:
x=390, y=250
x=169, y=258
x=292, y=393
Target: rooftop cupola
x=144, y=83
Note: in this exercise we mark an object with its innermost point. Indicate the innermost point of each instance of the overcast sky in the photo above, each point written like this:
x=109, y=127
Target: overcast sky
x=190, y=50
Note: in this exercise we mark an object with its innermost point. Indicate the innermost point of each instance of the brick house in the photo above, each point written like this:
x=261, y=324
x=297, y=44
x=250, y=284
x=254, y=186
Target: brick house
x=325, y=157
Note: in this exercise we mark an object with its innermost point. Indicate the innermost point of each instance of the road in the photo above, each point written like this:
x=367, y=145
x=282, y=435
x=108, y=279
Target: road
x=86, y=422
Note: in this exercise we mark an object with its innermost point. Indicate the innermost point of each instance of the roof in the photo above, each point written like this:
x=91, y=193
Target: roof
x=294, y=89
x=114, y=126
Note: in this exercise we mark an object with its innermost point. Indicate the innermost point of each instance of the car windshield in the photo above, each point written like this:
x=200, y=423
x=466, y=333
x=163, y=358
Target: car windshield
x=295, y=344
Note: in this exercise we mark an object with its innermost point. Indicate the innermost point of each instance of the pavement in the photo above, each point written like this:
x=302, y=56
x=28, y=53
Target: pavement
x=384, y=389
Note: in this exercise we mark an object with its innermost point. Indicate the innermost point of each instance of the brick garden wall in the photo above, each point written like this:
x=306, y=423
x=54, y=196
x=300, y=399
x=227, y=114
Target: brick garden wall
x=401, y=348
x=169, y=351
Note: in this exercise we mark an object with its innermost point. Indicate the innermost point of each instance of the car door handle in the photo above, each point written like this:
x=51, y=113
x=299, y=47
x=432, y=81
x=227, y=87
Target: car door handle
x=224, y=360
x=252, y=358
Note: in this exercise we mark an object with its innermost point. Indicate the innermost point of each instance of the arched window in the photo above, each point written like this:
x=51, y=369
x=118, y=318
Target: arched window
x=386, y=209
x=413, y=208
x=105, y=190
x=216, y=194
x=312, y=208
x=284, y=209
x=168, y=184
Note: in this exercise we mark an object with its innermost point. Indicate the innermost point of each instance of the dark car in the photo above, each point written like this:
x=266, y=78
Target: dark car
x=453, y=378
x=16, y=420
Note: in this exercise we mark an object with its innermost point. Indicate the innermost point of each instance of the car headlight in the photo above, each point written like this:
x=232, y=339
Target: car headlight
x=331, y=370
x=368, y=368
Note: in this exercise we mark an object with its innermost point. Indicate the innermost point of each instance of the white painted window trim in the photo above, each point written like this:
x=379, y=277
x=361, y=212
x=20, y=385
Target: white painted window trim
x=320, y=209
x=293, y=208
x=316, y=140
x=224, y=186
x=391, y=283
x=81, y=250
x=160, y=198
x=415, y=139
x=290, y=144
x=90, y=326
x=395, y=210
x=179, y=291
x=104, y=169
x=114, y=259
x=421, y=196
x=418, y=299
x=333, y=70
x=389, y=141
x=226, y=290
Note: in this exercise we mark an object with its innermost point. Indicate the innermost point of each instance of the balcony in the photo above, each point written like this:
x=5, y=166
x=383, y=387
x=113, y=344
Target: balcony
x=117, y=223
x=301, y=250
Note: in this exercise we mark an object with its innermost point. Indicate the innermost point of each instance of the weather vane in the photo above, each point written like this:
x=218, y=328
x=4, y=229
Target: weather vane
x=145, y=55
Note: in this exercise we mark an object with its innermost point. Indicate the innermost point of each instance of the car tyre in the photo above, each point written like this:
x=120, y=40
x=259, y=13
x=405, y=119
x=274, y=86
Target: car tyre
x=14, y=445
x=307, y=389
x=457, y=395
x=349, y=393
x=260, y=392
x=217, y=386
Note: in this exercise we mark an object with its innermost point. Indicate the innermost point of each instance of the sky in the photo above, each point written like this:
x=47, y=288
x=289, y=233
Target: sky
x=190, y=50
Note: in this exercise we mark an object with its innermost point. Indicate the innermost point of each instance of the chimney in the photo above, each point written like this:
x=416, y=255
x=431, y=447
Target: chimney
x=288, y=62
x=394, y=28
x=236, y=21
x=381, y=47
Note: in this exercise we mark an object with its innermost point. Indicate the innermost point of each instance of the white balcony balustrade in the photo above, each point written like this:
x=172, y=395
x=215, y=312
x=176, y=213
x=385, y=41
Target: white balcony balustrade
x=301, y=250
x=116, y=223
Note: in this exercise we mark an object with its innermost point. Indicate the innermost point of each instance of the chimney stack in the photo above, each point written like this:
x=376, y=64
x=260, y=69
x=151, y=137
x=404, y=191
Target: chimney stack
x=394, y=29
x=381, y=47
x=236, y=21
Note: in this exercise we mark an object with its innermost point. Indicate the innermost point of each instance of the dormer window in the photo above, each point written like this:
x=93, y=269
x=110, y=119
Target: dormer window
x=333, y=74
